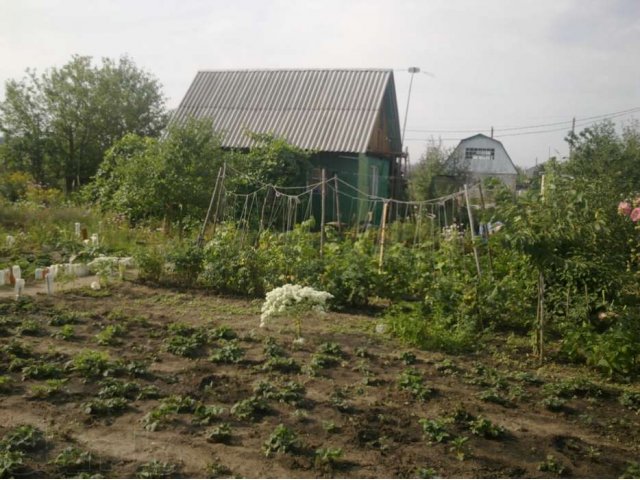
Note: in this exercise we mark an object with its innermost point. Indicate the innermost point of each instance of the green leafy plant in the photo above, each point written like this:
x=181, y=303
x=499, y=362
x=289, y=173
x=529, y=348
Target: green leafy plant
x=66, y=332
x=216, y=469
x=250, y=408
x=6, y=384
x=485, y=428
x=552, y=465
x=434, y=430
x=408, y=358
x=229, y=352
x=327, y=458
x=157, y=469
x=206, y=414
x=426, y=472
x=29, y=327
x=41, y=370
x=91, y=364
x=11, y=463
x=220, y=433
x=50, y=389
x=110, y=335
x=459, y=447
x=73, y=459
x=23, y=438
x=412, y=381
x=631, y=400
x=281, y=440
x=105, y=407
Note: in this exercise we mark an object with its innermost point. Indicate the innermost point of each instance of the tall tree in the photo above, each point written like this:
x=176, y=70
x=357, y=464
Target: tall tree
x=58, y=125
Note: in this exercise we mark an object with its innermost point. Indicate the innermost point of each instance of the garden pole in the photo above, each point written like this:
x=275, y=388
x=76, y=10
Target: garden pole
x=335, y=184
x=215, y=215
x=206, y=218
x=541, y=319
x=488, y=245
x=383, y=230
x=473, y=233
x=322, y=208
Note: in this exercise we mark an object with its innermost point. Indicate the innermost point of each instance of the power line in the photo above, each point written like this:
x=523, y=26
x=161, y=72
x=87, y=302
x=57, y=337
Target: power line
x=526, y=127
x=582, y=123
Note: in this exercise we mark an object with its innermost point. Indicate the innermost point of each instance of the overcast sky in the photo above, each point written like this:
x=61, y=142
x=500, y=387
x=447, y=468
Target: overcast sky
x=502, y=63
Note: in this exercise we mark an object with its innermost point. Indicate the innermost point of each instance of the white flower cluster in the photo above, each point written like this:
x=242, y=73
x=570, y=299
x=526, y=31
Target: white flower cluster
x=294, y=299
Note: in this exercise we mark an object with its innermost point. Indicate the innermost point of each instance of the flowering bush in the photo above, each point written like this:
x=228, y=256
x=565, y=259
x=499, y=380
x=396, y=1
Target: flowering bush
x=630, y=209
x=293, y=300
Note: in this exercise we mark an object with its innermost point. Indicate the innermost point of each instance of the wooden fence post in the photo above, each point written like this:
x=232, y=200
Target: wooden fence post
x=471, y=226
x=322, y=209
x=383, y=231
x=206, y=218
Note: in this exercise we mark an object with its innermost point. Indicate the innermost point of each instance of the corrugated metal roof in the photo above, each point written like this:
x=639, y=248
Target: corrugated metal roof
x=322, y=110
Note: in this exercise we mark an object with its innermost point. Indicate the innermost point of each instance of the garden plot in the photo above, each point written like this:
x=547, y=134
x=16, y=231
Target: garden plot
x=131, y=381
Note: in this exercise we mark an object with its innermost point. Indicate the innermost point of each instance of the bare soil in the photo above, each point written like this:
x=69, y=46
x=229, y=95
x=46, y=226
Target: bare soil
x=357, y=405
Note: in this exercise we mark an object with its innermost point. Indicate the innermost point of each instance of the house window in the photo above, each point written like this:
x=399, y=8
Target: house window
x=473, y=153
x=375, y=179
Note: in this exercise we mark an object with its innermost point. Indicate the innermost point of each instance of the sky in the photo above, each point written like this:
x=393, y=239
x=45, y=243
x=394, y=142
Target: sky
x=501, y=63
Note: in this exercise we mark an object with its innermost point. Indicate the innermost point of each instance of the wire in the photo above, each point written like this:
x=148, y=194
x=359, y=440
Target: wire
x=525, y=127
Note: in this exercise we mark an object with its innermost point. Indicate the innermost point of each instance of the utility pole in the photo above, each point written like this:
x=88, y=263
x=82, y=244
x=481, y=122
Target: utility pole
x=573, y=132
x=412, y=71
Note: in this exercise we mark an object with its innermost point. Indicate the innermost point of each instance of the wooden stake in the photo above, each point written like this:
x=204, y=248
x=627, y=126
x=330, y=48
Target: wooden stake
x=206, y=218
x=541, y=317
x=220, y=190
x=335, y=184
x=471, y=226
x=322, y=209
x=482, y=205
x=383, y=231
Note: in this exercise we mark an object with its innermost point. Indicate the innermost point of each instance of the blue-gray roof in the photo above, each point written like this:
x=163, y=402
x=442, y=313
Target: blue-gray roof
x=322, y=110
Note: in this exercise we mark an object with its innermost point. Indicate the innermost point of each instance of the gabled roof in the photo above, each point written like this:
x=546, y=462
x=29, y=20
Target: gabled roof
x=322, y=110
x=487, y=166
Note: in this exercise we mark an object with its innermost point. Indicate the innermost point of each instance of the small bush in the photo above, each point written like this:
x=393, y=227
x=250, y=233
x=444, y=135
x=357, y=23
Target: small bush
x=282, y=440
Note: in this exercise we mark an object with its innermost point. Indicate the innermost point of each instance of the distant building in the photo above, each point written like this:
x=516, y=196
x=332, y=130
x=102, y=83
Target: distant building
x=482, y=157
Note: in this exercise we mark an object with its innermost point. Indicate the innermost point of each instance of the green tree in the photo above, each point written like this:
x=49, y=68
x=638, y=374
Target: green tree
x=434, y=176
x=143, y=177
x=58, y=125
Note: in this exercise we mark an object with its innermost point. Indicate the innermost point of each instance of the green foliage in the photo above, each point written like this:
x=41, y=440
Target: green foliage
x=206, y=414
x=23, y=438
x=413, y=324
x=91, y=364
x=51, y=388
x=6, y=384
x=220, y=433
x=41, y=370
x=412, y=381
x=485, y=428
x=169, y=178
x=327, y=458
x=250, y=408
x=11, y=462
x=66, y=332
x=281, y=440
x=552, y=465
x=631, y=400
x=229, y=352
x=157, y=469
x=109, y=335
x=59, y=124
x=104, y=407
x=72, y=460
x=434, y=430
